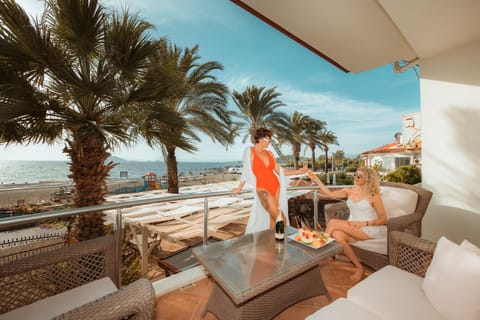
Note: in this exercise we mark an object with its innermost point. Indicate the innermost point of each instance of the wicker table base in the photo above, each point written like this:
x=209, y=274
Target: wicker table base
x=270, y=303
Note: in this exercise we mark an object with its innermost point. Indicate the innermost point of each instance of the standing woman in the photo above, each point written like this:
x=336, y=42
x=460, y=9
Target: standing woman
x=260, y=169
x=367, y=218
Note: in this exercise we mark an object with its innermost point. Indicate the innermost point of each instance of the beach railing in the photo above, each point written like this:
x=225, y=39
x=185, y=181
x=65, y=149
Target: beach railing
x=17, y=221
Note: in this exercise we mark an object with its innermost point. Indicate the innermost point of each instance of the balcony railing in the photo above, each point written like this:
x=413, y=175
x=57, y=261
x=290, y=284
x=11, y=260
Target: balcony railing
x=25, y=220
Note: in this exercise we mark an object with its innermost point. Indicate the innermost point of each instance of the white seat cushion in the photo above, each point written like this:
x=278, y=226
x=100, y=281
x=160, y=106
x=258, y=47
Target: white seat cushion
x=470, y=247
x=393, y=294
x=53, y=306
x=452, y=281
x=342, y=309
x=378, y=245
x=398, y=201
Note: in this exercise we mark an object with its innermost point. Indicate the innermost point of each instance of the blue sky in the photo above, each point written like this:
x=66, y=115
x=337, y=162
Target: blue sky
x=364, y=110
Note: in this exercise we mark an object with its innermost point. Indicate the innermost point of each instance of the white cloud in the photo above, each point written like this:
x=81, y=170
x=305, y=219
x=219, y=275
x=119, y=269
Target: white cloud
x=359, y=125
x=163, y=11
x=168, y=12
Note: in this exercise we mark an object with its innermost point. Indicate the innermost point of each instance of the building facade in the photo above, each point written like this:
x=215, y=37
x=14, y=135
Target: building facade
x=405, y=150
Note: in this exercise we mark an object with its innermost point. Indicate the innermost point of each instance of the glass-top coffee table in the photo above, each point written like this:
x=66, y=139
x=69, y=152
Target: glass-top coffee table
x=257, y=277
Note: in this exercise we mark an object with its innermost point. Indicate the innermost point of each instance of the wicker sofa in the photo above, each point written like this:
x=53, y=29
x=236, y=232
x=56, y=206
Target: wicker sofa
x=73, y=282
x=405, y=207
x=426, y=280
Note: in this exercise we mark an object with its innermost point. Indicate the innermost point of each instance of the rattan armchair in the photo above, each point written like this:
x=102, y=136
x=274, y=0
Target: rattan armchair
x=27, y=280
x=410, y=253
x=410, y=223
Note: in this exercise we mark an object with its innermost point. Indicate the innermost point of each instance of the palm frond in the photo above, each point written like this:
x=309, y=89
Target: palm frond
x=258, y=108
x=128, y=44
x=79, y=25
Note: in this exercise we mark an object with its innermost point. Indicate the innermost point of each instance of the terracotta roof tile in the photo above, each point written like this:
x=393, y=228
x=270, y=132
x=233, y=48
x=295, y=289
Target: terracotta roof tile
x=395, y=147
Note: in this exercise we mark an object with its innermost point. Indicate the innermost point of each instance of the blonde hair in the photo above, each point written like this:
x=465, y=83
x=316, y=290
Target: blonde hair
x=372, y=185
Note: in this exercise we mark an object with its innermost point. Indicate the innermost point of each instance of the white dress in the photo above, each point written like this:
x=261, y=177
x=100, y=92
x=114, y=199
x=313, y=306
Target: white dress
x=259, y=218
x=363, y=211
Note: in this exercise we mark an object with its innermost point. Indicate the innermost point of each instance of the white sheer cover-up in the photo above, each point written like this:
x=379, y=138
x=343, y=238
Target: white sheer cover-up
x=259, y=218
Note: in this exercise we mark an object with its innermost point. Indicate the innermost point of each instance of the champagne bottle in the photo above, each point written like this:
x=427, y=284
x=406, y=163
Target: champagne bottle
x=279, y=226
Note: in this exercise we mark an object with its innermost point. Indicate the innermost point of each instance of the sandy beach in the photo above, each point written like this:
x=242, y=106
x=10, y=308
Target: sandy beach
x=51, y=191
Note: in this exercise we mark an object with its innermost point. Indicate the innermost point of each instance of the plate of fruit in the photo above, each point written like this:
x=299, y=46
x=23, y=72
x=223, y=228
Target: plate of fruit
x=311, y=238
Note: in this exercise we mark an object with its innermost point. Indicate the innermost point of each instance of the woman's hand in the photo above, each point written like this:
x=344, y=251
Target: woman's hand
x=357, y=224
x=304, y=169
x=236, y=190
x=315, y=179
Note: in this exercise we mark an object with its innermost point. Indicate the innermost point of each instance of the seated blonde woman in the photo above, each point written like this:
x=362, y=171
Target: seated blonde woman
x=367, y=214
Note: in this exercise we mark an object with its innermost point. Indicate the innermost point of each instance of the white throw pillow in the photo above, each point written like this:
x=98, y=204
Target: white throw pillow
x=470, y=246
x=452, y=281
x=398, y=202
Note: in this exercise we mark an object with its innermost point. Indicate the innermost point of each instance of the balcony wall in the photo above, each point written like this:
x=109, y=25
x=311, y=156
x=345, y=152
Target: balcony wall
x=450, y=106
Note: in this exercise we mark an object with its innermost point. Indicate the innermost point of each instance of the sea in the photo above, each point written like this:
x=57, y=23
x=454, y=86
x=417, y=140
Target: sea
x=20, y=172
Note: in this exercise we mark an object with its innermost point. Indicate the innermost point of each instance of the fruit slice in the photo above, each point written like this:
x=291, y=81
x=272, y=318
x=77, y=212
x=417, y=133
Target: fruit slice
x=306, y=236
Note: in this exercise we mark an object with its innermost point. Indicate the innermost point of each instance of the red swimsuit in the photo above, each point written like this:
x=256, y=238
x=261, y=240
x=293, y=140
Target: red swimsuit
x=265, y=176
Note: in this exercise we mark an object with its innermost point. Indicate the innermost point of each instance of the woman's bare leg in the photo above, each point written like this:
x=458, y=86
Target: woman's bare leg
x=345, y=234
x=331, y=225
x=345, y=240
x=343, y=225
x=270, y=203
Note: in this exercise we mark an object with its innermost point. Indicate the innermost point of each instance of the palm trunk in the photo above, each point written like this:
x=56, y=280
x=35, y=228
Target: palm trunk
x=326, y=162
x=89, y=173
x=296, y=155
x=172, y=170
x=313, y=158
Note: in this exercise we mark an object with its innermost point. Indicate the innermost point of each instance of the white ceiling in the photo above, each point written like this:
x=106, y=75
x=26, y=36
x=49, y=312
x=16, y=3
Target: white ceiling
x=359, y=35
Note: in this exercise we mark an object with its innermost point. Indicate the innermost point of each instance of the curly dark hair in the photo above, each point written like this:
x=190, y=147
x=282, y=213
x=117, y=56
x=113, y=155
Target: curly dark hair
x=261, y=133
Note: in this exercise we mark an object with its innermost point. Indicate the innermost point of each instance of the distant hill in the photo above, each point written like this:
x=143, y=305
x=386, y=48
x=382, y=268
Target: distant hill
x=116, y=159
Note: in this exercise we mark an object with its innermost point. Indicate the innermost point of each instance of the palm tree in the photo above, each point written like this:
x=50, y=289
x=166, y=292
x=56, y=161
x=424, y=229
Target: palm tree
x=327, y=138
x=198, y=98
x=79, y=74
x=295, y=134
x=313, y=137
x=258, y=108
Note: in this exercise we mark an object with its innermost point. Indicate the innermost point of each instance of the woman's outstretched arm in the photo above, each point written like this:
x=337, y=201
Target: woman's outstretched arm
x=287, y=172
x=342, y=193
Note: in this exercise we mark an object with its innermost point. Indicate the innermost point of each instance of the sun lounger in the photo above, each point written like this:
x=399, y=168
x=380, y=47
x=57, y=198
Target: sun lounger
x=243, y=203
x=161, y=215
x=222, y=202
x=193, y=201
x=222, y=220
x=182, y=211
x=169, y=206
x=146, y=218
